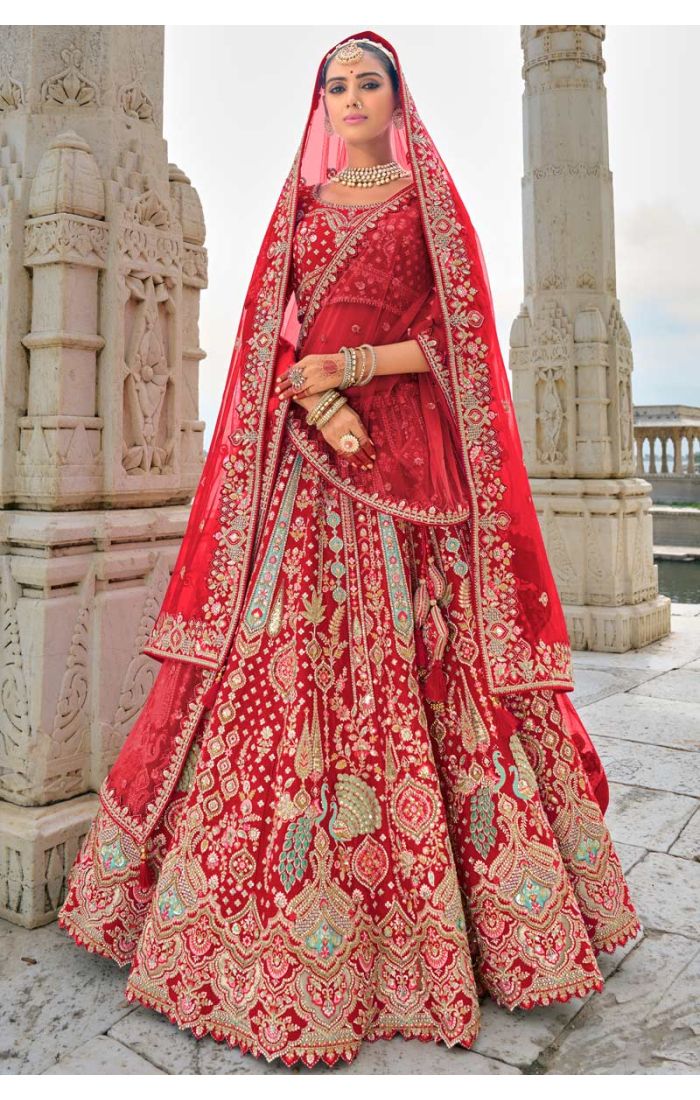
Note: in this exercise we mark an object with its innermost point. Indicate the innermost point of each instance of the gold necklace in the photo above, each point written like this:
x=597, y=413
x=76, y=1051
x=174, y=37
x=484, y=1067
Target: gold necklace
x=371, y=174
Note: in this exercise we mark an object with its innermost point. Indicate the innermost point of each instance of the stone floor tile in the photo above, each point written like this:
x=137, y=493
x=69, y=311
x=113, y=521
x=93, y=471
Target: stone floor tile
x=643, y=717
x=411, y=1056
x=102, y=1056
x=678, y=684
x=645, y=1021
x=520, y=1036
x=593, y=683
x=637, y=815
x=685, y=609
x=666, y=893
x=629, y=854
x=652, y=766
x=55, y=1004
x=688, y=843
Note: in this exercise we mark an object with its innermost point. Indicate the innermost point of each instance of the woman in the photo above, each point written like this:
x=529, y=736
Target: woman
x=358, y=798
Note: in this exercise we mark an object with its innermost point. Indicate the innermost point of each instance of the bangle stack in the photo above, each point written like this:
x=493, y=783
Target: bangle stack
x=332, y=400
x=325, y=408
x=350, y=376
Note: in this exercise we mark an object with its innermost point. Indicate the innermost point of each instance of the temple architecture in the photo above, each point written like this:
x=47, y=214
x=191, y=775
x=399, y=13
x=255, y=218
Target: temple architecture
x=571, y=354
x=101, y=445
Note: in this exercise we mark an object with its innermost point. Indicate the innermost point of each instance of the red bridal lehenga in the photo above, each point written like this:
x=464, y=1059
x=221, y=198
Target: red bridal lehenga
x=358, y=797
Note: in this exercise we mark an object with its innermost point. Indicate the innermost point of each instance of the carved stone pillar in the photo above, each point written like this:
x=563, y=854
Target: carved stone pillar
x=571, y=354
x=102, y=261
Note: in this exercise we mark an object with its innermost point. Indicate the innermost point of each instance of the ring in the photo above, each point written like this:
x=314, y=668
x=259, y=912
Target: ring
x=296, y=377
x=349, y=442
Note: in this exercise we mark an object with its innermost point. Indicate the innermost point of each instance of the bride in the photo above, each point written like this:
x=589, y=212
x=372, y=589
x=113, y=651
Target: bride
x=358, y=798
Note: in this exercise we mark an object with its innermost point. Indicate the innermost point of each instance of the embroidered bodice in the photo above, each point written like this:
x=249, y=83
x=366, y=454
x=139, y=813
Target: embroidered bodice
x=391, y=269
x=361, y=273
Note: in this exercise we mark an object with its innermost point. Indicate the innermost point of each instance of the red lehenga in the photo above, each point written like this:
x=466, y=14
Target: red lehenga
x=373, y=810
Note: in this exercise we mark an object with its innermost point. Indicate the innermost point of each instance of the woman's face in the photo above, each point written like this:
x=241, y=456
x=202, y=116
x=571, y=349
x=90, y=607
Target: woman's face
x=367, y=82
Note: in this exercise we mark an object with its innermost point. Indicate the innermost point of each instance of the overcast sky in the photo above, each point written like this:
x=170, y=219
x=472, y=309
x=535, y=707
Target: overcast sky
x=235, y=105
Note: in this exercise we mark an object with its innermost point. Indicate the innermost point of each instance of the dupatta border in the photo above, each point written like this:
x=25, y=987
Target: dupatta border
x=322, y=463
x=137, y=827
x=510, y=663
x=247, y=483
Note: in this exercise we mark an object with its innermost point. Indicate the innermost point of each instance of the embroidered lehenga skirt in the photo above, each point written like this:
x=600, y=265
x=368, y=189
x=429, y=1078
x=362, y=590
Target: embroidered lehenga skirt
x=339, y=860
x=342, y=859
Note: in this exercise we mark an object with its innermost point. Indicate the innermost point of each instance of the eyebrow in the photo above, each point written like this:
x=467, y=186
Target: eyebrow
x=359, y=75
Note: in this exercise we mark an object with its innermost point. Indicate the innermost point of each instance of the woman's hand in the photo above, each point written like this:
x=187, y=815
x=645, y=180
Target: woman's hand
x=343, y=421
x=321, y=372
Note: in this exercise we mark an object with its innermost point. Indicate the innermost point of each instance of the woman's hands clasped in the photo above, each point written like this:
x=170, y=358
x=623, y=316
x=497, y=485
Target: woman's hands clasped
x=343, y=421
x=322, y=373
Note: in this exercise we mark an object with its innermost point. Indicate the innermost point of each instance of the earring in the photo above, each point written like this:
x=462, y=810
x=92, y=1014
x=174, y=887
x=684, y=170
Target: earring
x=327, y=125
x=397, y=117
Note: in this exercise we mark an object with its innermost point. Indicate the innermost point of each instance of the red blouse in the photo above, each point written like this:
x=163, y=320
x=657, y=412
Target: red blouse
x=362, y=274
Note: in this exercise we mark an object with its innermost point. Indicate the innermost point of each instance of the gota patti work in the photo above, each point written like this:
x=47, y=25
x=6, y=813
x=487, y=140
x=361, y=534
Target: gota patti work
x=336, y=854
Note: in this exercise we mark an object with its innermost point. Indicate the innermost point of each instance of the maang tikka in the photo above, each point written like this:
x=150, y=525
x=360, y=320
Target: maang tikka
x=349, y=54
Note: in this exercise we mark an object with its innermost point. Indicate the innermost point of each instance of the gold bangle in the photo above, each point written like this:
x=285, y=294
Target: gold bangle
x=327, y=399
x=326, y=416
x=363, y=368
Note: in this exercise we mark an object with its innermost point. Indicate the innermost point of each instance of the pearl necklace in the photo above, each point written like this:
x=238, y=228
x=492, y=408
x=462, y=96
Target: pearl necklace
x=371, y=174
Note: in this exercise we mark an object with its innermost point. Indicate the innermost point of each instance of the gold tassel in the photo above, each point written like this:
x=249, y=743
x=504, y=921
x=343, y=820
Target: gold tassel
x=439, y=584
x=441, y=630
x=145, y=876
x=421, y=602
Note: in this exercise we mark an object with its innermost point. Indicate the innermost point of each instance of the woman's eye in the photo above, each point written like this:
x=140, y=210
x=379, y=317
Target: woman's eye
x=370, y=84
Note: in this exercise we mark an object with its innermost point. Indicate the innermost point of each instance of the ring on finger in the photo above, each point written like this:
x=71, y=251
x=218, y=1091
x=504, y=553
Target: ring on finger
x=349, y=442
x=296, y=377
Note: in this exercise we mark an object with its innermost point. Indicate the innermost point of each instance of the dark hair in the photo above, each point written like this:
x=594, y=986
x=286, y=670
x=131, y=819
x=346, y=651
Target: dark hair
x=387, y=63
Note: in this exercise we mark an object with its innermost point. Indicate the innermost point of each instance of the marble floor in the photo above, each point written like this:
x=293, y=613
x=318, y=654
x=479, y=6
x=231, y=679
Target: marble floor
x=62, y=1009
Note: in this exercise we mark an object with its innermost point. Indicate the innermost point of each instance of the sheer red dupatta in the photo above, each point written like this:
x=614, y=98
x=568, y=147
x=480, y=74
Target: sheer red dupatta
x=518, y=612
x=521, y=621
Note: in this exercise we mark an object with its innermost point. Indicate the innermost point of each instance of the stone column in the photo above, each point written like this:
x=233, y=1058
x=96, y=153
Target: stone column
x=571, y=354
x=101, y=445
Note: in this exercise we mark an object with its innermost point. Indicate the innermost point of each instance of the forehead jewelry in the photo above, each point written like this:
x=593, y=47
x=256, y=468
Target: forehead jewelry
x=349, y=53
x=352, y=51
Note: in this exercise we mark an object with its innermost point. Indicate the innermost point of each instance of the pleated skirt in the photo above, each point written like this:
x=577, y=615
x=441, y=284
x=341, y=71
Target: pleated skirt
x=343, y=859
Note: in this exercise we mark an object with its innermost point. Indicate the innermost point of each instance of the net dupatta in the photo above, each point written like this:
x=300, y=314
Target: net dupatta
x=519, y=617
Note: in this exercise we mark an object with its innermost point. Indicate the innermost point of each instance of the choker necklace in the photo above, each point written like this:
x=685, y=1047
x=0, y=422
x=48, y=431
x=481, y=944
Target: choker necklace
x=371, y=175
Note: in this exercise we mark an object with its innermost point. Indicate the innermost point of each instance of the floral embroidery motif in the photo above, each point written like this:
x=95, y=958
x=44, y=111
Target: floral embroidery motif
x=399, y=594
x=257, y=611
x=322, y=860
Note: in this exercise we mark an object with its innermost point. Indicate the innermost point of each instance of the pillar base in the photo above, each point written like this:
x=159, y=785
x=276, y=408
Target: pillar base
x=38, y=846
x=618, y=629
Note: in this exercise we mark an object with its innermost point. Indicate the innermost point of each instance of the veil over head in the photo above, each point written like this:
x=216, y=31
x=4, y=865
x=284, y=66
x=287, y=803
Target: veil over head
x=519, y=617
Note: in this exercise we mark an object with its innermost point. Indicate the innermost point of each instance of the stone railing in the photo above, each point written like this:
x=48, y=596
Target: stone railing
x=667, y=442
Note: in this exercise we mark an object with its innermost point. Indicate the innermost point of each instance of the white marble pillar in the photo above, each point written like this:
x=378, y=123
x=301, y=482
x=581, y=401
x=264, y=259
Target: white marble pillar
x=101, y=446
x=571, y=353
